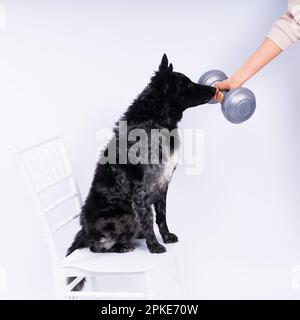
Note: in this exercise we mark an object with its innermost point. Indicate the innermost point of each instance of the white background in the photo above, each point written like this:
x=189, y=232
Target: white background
x=76, y=66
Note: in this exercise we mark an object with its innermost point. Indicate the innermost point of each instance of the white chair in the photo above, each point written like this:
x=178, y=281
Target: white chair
x=45, y=166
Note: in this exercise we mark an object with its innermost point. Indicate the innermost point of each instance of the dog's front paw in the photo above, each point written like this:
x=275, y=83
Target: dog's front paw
x=156, y=248
x=97, y=249
x=170, y=238
x=123, y=247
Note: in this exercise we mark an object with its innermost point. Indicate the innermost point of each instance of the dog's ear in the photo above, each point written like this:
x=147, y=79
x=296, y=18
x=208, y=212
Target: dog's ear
x=170, y=68
x=164, y=63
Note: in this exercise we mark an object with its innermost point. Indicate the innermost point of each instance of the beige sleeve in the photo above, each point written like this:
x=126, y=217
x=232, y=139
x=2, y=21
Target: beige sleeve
x=286, y=29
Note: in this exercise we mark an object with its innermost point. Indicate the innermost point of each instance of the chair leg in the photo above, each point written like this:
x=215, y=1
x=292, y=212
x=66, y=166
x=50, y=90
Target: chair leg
x=149, y=285
x=94, y=284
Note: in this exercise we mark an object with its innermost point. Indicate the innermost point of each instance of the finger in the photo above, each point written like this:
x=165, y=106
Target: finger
x=220, y=96
x=216, y=94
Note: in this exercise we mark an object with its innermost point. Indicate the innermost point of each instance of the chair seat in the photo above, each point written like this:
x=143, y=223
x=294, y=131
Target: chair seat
x=138, y=260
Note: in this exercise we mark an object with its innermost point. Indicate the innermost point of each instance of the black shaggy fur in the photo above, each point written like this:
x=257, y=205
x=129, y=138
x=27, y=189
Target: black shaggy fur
x=119, y=205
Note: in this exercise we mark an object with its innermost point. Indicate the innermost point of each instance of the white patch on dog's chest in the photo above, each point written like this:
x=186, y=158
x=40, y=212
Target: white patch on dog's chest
x=168, y=168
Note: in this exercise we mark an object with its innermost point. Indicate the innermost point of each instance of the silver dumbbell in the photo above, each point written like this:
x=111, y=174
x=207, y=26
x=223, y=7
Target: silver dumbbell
x=238, y=105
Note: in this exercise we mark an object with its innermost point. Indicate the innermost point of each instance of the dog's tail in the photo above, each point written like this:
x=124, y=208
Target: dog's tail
x=77, y=244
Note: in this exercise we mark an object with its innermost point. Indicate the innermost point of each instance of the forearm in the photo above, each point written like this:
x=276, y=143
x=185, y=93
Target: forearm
x=285, y=31
x=266, y=52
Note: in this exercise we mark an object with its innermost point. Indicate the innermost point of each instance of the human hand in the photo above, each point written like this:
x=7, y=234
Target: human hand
x=227, y=84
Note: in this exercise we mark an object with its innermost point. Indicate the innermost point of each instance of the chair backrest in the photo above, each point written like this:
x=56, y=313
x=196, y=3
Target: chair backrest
x=45, y=165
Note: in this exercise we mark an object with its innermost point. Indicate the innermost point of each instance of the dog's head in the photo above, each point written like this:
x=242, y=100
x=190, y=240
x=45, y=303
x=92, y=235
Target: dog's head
x=179, y=90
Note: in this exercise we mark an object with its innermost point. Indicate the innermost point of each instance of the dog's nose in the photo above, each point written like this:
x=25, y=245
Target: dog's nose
x=213, y=90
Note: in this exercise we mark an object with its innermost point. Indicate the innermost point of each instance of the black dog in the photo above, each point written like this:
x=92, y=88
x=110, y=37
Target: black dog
x=119, y=205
